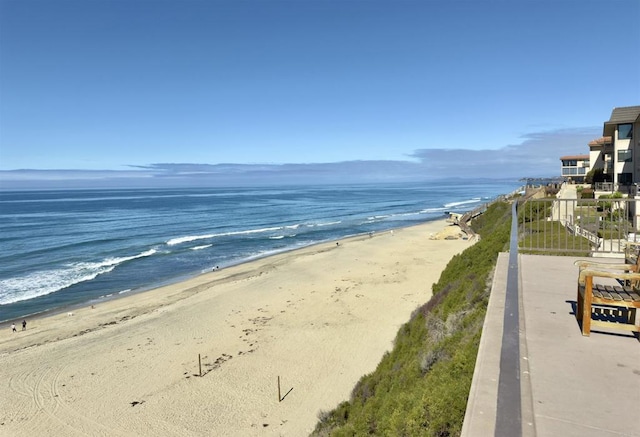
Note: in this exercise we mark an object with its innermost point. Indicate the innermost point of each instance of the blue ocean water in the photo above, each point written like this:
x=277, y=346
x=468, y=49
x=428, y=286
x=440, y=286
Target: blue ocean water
x=62, y=248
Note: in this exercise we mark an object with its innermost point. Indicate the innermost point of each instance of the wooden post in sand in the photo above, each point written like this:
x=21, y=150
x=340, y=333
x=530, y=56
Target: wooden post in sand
x=280, y=397
x=200, y=364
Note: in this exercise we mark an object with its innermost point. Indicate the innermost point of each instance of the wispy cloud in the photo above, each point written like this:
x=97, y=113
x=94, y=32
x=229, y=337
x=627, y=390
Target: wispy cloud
x=536, y=156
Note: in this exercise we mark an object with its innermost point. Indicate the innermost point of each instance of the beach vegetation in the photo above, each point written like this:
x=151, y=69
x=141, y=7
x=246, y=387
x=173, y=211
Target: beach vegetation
x=539, y=234
x=586, y=193
x=607, y=218
x=420, y=387
x=544, y=237
x=534, y=211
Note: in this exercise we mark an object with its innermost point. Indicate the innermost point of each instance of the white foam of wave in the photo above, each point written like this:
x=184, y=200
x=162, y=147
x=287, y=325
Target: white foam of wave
x=378, y=217
x=432, y=210
x=201, y=247
x=49, y=281
x=329, y=223
x=124, y=291
x=277, y=237
x=313, y=225
x=190, y=238
x=407, y=214
x=463, y=202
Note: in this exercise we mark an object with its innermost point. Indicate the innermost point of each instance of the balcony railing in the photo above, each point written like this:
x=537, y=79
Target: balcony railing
x=578, y=227
x=610, y=187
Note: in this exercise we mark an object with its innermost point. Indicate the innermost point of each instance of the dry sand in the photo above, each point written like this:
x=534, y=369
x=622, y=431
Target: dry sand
x=319, y=318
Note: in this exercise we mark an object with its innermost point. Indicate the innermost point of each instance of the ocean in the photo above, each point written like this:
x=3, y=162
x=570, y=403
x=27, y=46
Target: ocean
x=70, y=247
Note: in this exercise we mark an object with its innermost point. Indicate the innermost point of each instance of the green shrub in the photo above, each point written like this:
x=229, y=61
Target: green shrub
x=550, y=237
x=534, y=211
x=587, y=193
x=420, y=388
x=615, y=195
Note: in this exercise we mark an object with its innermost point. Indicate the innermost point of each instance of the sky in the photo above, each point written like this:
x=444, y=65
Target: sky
x=210, y=90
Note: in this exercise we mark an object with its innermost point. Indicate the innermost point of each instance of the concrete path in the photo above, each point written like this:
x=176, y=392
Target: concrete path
x=571, y=385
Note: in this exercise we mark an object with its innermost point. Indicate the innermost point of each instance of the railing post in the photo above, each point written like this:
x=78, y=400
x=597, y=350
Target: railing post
x=572, y=225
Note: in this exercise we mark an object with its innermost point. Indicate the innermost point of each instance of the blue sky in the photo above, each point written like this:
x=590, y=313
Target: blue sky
x=132, y=88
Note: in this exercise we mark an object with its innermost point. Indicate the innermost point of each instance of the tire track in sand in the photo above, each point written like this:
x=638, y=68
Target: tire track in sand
x=49, y=414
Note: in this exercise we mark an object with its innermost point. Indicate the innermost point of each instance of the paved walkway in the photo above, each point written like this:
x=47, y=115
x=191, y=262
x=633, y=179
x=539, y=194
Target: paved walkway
x=570, y=385
x=563, y=211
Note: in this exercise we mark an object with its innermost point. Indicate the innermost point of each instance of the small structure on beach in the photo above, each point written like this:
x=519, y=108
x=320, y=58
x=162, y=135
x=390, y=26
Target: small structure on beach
x=454, y=218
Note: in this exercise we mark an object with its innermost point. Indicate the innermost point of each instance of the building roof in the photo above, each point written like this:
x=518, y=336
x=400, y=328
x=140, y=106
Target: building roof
x=576, y=157
x=625, y=114
x=600, y=141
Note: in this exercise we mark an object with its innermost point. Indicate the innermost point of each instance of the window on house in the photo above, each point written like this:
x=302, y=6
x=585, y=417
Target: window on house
x=625, y=131
x=624, y=155
x=625, y=178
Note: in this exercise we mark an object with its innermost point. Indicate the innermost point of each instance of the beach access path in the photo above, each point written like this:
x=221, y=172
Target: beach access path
x=317, y=318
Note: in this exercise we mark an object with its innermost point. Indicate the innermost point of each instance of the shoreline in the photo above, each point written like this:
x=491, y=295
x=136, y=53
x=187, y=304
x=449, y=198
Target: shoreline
x=318, y=318
x=185, y=277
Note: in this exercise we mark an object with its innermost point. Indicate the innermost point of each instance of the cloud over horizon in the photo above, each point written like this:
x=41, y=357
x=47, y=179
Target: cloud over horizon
x=537, y=156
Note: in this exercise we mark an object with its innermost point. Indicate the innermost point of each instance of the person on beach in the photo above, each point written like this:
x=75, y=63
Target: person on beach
x=24, y=325
x=13, y=327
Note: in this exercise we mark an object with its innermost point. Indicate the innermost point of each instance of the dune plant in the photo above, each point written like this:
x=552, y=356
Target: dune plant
x=420, y=387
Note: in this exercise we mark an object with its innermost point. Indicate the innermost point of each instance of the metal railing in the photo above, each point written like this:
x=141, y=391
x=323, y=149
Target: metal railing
x=610, y=187
x=579, y=227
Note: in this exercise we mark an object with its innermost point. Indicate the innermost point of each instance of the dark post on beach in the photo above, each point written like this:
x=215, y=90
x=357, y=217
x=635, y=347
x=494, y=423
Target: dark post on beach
x=280, y=397
x=200, y=364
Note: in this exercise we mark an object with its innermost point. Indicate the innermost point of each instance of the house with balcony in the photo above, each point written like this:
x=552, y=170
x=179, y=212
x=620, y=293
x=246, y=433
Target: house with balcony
x=616, y=153
x=575, y=167
x=623, y=127
x=601, y=157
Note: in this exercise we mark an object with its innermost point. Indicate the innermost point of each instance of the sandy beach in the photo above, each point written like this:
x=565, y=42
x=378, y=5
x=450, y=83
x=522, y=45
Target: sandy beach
x=317, y=318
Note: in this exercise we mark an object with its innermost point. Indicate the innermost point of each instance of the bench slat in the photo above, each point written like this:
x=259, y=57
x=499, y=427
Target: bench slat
x=623, y=292
x=615, y=306
x=613, y=293
x=606, y=294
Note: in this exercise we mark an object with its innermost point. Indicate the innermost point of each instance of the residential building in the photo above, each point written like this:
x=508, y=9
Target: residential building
x=617, y=152
x=624, y=129
x=601, y=156
x=575, y=167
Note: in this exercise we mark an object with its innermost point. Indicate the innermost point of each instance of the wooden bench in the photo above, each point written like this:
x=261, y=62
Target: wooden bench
x=613, y=306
